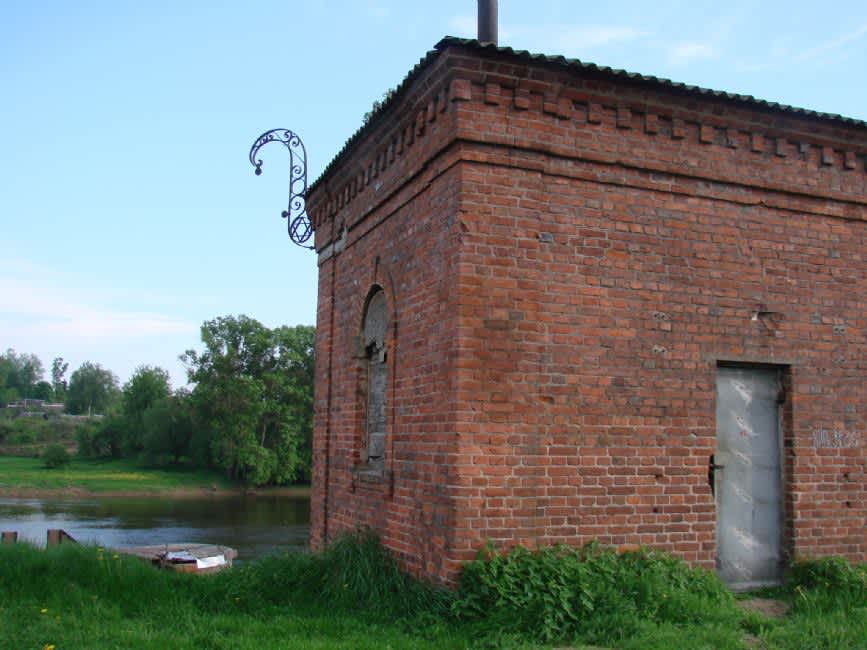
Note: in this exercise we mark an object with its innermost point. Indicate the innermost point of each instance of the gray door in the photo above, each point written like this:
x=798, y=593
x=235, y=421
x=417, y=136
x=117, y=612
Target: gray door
x=747, y=477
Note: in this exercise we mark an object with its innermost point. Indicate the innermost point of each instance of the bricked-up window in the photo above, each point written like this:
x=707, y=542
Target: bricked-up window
x=376, y=360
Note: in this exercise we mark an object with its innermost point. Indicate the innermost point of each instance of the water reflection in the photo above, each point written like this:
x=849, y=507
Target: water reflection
x=254, y=525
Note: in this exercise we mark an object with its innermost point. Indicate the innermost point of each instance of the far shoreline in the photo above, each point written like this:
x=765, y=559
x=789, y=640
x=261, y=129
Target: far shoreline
x=8, y=492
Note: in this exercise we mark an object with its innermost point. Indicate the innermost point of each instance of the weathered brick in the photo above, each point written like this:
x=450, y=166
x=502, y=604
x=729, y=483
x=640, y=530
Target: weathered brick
x=560, y=291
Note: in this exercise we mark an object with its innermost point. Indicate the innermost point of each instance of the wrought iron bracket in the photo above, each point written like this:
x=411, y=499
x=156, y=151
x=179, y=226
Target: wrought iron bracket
x=298, y=223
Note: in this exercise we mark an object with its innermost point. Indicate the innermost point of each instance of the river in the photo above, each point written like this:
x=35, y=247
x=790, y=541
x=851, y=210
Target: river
x=254, y=525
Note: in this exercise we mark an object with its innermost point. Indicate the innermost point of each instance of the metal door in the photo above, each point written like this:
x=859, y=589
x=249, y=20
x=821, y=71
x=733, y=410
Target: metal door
x=747, y=477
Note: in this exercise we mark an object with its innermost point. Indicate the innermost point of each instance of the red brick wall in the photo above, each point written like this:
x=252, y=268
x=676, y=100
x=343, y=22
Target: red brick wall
x=568, y=258
x=396, y=229
x=410, y=255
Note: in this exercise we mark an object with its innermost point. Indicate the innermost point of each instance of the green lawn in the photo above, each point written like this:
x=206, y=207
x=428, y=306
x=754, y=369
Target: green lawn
x=84, y=597
x=104, y=476
x=79, y=597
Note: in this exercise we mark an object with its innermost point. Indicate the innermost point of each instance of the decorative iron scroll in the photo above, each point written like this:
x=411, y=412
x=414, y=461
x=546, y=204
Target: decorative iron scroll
x=300, y=229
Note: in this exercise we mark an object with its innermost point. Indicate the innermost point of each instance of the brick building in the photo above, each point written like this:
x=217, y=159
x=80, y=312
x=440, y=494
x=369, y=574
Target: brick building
x=560, y=302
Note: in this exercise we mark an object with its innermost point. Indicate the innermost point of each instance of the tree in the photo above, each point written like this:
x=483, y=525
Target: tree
x=58, y=381
x=148, y=385
x=168, y=428
x=253, y=392
x=92, y=389
x=19, y=374
x=106, y=438
x=8, y=392
x=295, y=349
x=42, y=390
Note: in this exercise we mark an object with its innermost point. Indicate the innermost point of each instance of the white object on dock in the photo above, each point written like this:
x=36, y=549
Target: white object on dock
x=185, y=558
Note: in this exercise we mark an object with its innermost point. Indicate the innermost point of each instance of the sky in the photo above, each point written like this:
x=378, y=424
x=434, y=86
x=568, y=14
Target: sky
x=129, y=213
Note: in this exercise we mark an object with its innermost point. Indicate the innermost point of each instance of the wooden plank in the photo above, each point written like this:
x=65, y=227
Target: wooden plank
x=199, y=550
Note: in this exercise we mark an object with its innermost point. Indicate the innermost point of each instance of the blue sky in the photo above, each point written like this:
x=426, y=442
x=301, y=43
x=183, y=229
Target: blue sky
x=129, y=212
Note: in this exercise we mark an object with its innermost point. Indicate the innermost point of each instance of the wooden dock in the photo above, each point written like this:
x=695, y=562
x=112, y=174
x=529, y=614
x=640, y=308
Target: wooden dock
x=184, y=558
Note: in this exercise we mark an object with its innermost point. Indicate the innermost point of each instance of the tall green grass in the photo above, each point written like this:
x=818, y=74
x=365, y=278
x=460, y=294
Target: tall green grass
x=828, y=598
x=829, y=583
x=355, y=596
x=82, y=597
x=355, y=574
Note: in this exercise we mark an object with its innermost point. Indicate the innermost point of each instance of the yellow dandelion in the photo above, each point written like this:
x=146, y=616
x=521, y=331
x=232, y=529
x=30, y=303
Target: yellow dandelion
x=44, y=610
x=48, y=646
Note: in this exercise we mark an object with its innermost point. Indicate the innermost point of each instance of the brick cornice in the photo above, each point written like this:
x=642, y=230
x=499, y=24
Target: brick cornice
x=385, y=161
x=677, y=134
x=679, y=138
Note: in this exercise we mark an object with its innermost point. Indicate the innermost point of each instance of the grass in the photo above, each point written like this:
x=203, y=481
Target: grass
x=353, y=596
x=103, y=475
x=79, y=597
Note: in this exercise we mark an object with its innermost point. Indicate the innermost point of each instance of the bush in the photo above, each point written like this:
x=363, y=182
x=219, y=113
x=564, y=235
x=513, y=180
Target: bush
x=85, y=439
x=102, y=438
x=55, y=456
x=563, y=593
x=30, y=430
x=7, y=428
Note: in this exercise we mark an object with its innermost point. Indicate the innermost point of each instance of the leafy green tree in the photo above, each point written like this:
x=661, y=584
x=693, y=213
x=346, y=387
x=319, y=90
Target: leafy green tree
x=58, y=380
x=7, y=392
x=295, y=349
x=168, y=428
x=19, y=374
x=92, y=389
x=42, y=390
x=109, y=437
x=90, y=439
x=253, y=395
x=148, y=385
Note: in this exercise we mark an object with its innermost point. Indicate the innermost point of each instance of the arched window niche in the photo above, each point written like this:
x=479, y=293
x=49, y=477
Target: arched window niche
x=374, y=355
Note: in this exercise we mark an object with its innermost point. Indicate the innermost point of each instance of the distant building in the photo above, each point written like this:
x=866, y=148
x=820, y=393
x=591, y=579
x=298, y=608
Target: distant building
x=28, y=404
x=560, y=302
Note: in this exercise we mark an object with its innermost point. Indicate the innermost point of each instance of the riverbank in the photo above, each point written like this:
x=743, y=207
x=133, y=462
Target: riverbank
x=28, y=478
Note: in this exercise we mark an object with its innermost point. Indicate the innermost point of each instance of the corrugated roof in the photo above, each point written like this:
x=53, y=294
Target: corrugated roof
x=392, y=98
x=573, y=64
x=577, y=64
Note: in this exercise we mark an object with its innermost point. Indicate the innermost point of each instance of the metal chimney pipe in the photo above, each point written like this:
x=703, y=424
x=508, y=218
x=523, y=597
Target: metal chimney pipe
x=488, y=21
